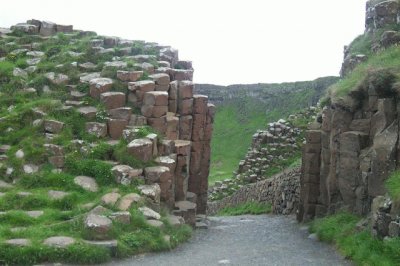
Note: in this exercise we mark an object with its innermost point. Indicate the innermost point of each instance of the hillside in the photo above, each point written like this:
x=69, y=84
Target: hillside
x=97, y=136
x=243, y=109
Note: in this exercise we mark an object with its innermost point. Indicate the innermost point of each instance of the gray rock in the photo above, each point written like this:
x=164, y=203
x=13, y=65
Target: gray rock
x=98, y=226
x=87, y=183
x=20, y=242
x=59, y=241
x=149, y=213
x=126, y=201
x=110, y=198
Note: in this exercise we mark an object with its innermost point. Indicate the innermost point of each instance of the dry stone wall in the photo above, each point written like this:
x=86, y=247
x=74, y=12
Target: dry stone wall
x=281, y=191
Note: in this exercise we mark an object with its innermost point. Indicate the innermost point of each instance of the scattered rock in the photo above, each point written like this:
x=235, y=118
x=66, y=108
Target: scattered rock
x=110, y=198
x=57, y=195
x=59, y=241
x=87, y=183
x=126, y=201
x=20, y=242
x=149, y=213
x=98, y=226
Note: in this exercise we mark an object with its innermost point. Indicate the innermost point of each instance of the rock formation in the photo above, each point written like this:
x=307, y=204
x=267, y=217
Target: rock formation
x=354, y=148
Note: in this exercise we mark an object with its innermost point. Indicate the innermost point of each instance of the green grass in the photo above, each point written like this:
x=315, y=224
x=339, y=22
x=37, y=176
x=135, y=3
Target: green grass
x=393, y=185
x=238, y=120
x=254, y=208
x=387, y=59
x=361, y=247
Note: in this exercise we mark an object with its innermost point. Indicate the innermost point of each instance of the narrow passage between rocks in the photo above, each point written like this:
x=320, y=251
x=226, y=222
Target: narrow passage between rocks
x=246, y=240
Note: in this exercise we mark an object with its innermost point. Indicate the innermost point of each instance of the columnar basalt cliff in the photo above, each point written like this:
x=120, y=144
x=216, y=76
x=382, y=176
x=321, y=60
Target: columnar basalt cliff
x=107, y=132
x=354, y=148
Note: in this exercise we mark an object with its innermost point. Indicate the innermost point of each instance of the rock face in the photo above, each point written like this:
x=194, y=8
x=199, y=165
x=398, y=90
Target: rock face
x=381, y=13
x=348, y=157
x=282, y=191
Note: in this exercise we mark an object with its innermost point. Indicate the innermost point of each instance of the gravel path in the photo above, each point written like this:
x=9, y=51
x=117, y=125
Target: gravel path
x=246, y=240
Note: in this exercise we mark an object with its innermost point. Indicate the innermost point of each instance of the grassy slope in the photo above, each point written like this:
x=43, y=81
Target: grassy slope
x=63, y=217
x=361, y=247
x=238, y=120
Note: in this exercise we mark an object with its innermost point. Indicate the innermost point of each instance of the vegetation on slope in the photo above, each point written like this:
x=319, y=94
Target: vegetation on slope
x=361, y=247
x=237, y=119
x=22, y=113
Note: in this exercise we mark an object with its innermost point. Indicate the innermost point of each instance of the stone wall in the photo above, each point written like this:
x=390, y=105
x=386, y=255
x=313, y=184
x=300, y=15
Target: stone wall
x=282, y=191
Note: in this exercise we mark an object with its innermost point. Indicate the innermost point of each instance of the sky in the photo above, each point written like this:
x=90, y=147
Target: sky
x=229, y=41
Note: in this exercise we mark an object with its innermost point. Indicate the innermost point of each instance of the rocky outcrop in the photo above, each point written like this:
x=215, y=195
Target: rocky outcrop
x=269, y=95
x=350, y=154
x=380, y=13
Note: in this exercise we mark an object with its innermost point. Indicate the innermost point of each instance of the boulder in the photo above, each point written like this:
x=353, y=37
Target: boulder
x=87, y=183
x=110, y=198
x=151, y=192
x=126, y=201
x=123, y=217
x=149, y=213
x=98, y=227
x=53, y=126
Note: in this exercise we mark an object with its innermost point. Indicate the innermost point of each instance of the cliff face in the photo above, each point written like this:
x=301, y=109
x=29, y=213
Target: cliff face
x=349, y=155
x=267, y=94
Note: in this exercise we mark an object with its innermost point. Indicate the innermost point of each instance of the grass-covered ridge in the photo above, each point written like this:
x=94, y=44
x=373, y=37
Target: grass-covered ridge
x=38, y=199
x=361, y=247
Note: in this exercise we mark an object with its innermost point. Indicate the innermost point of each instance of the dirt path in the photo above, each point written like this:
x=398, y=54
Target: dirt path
x=246, y=240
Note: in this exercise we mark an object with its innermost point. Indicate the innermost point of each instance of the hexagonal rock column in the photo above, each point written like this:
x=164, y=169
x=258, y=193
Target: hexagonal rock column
x=187, y=210
x=129, y=75
x=99, y=86
x=172, y=131
x=124, y=174
x=155, y=104
x=113, y=100
x=142, y=149
x=161, y=80
x=97, y=129
x=116, y=127
x=310, y=176
x=203, y=118
x=55, y=155
x=162, y=176
x=182, y=149
x=137, y=91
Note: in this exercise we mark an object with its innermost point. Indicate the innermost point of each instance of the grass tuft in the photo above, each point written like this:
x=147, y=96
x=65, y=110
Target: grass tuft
x=254, y=208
